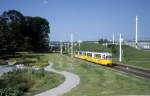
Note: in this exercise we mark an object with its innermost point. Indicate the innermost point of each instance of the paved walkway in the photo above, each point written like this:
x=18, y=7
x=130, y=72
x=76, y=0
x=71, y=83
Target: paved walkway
x=71, y=81
x=5, y=69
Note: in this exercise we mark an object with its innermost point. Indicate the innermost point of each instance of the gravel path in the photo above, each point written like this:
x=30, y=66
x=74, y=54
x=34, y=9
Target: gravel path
x=71, y=81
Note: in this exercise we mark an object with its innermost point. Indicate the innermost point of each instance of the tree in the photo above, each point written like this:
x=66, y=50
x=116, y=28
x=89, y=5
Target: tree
x=2, y=34
x=100, y=41
x=114, y=48
x=37, y=29
x=12, y=30
x=23, y=33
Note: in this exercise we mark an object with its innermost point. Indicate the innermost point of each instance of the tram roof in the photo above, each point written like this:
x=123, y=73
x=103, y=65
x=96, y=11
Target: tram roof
x=94, y=52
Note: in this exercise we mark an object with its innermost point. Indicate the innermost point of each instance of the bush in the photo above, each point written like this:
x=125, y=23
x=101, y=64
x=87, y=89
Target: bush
x=113, y=48
x=17, y=82
x=21, y=81
x=10, y=92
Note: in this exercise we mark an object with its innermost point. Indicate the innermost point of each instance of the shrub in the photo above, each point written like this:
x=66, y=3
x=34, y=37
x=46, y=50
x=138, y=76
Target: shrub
x=10, y=92
x=21, y=81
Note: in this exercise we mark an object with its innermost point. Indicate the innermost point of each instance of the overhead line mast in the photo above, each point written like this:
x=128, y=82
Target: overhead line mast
x=136, y=37
x=71, y=44
x=120, y=49
x=113, y=39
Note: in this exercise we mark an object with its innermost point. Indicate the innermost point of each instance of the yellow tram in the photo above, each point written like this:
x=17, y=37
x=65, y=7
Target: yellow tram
x=103, y=58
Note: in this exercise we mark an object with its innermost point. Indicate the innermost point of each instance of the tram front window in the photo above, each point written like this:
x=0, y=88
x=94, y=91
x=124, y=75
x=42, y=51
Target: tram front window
x=109, y=57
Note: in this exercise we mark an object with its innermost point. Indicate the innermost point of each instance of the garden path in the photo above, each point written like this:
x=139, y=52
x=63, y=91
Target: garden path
x=71, y=81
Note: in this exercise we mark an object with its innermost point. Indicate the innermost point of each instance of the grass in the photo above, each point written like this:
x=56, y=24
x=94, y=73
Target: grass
x=97, y=80
x=28, y=82
x=131, y=56
x=92, y=47
x=139, y=58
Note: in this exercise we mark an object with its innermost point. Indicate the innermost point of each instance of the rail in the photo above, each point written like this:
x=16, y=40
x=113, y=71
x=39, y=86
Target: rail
x=145, y=73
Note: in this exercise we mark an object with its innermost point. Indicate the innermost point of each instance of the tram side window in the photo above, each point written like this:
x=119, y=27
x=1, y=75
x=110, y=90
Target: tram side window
x=76, y=53
x=98, y=56
x=103, y=57
x=89, y=54
x=84, y=53
x=80, y=53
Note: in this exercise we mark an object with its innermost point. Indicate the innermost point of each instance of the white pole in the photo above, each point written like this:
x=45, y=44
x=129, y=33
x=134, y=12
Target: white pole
x=79, y=44
x=68, y=47
x=136, y=38
x=65, y=47
x=71, y=45
x=113, y=39
x=120, y=50
x=61, y=47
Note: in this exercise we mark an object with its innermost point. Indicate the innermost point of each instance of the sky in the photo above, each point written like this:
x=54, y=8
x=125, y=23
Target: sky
x=87, y=19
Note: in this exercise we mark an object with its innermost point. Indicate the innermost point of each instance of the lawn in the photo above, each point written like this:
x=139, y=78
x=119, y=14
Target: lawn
x=97, y=80
x=131, y=56
x=136, y=57
x=85, y=46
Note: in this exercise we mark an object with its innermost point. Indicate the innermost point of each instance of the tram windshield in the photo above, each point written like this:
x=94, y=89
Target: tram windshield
x=109, y=57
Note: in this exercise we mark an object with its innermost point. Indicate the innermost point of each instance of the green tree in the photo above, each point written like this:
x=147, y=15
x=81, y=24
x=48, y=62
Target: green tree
x=12, y=31
x=20, y=33
x=100, y=41
x=37, y=29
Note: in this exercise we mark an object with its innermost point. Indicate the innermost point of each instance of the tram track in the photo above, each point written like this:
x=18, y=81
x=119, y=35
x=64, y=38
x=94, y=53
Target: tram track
x=141, y=72
x=145, y=73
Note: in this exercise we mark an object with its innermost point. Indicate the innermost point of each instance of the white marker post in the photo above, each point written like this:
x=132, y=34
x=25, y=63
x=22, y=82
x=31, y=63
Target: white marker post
x=113, y=39
x=71, y=45
x=120, y=49
x=136, y=38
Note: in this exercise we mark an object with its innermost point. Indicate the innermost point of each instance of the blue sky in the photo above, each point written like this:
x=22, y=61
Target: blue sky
x=87, y=19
